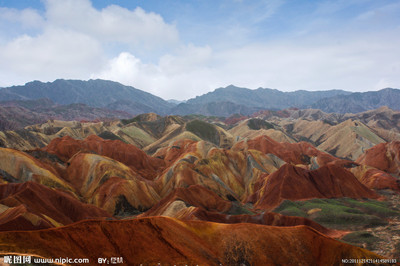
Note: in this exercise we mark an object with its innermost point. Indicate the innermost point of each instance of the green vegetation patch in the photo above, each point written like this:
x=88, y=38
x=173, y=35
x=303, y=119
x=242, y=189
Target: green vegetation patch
x=238, y=209
x=366, y=133
x=195, y=116
x=256, y=124
x=109, y=135
x=379, y=208
x=203, y=117
x=138, y=134
x=128, y=121
x=204, y=130
x=290, y=208
x=342, y=213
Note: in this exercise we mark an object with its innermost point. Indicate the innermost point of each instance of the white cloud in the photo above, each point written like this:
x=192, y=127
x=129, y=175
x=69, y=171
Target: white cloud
x=356, y=65
x=72, y=39
x=55, y=53
x=175, y=76
x=112, y=24
x=188, y=59
x=27, y=18
x=266, y=9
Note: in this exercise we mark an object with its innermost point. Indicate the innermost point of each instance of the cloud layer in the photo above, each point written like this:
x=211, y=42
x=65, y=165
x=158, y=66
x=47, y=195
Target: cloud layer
x=72, y=39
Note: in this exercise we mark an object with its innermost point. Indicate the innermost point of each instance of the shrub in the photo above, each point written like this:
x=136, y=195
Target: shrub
x=361, y=239
x=256, y=124
x=204, y=130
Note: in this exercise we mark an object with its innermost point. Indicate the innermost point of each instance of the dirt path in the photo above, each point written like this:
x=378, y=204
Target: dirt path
x=389, y=246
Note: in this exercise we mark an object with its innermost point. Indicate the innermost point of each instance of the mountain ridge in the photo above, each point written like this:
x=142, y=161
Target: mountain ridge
x=220, y=102
x=263, y=97
x=360, y=101
x=95, y=93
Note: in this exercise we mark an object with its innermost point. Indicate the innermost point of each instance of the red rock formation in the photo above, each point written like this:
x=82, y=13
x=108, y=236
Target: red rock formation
x=233, y=119
x=34, y=206
x=108, y=183
x=173, y=152
x=384, y=156
x=296, y=153
x=376, y=179
x=136, y=159
x=199, y=203
x=228, y=173
x=295, y=183
x=20, y=219
x=195, y=195
x=268, y=218
x=150, y=241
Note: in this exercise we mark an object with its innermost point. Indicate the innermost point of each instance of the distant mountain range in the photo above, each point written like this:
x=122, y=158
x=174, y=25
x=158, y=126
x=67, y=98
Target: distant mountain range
x=360, y=101
x=261, y=98
x=220, y=102
x=95, y=93
x=20, y=113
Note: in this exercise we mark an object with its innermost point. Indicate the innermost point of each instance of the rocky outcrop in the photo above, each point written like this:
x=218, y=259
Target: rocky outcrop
x=295, y=183
x=384, y=156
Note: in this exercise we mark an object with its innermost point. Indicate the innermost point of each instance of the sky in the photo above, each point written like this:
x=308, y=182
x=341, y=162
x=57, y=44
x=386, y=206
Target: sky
x=178, y=49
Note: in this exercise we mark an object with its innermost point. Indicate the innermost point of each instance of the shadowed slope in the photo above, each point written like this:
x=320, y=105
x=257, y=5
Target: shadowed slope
x=169, y=241
x=34, y=206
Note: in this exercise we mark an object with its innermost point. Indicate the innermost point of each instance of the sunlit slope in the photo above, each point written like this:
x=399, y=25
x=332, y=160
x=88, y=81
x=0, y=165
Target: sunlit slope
x=230, y=174
x=17, y=166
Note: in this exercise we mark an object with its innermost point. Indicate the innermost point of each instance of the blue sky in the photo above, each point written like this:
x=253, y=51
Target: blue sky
x=180, y=49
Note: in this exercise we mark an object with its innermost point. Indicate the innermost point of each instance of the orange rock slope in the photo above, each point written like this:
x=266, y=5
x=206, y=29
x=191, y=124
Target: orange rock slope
x=380, y=166
x=296, y=153
x=384, y=156
x=110, y=184
x=17, y=166
x=133, y=157
x=228, y=173
x=167, y=241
